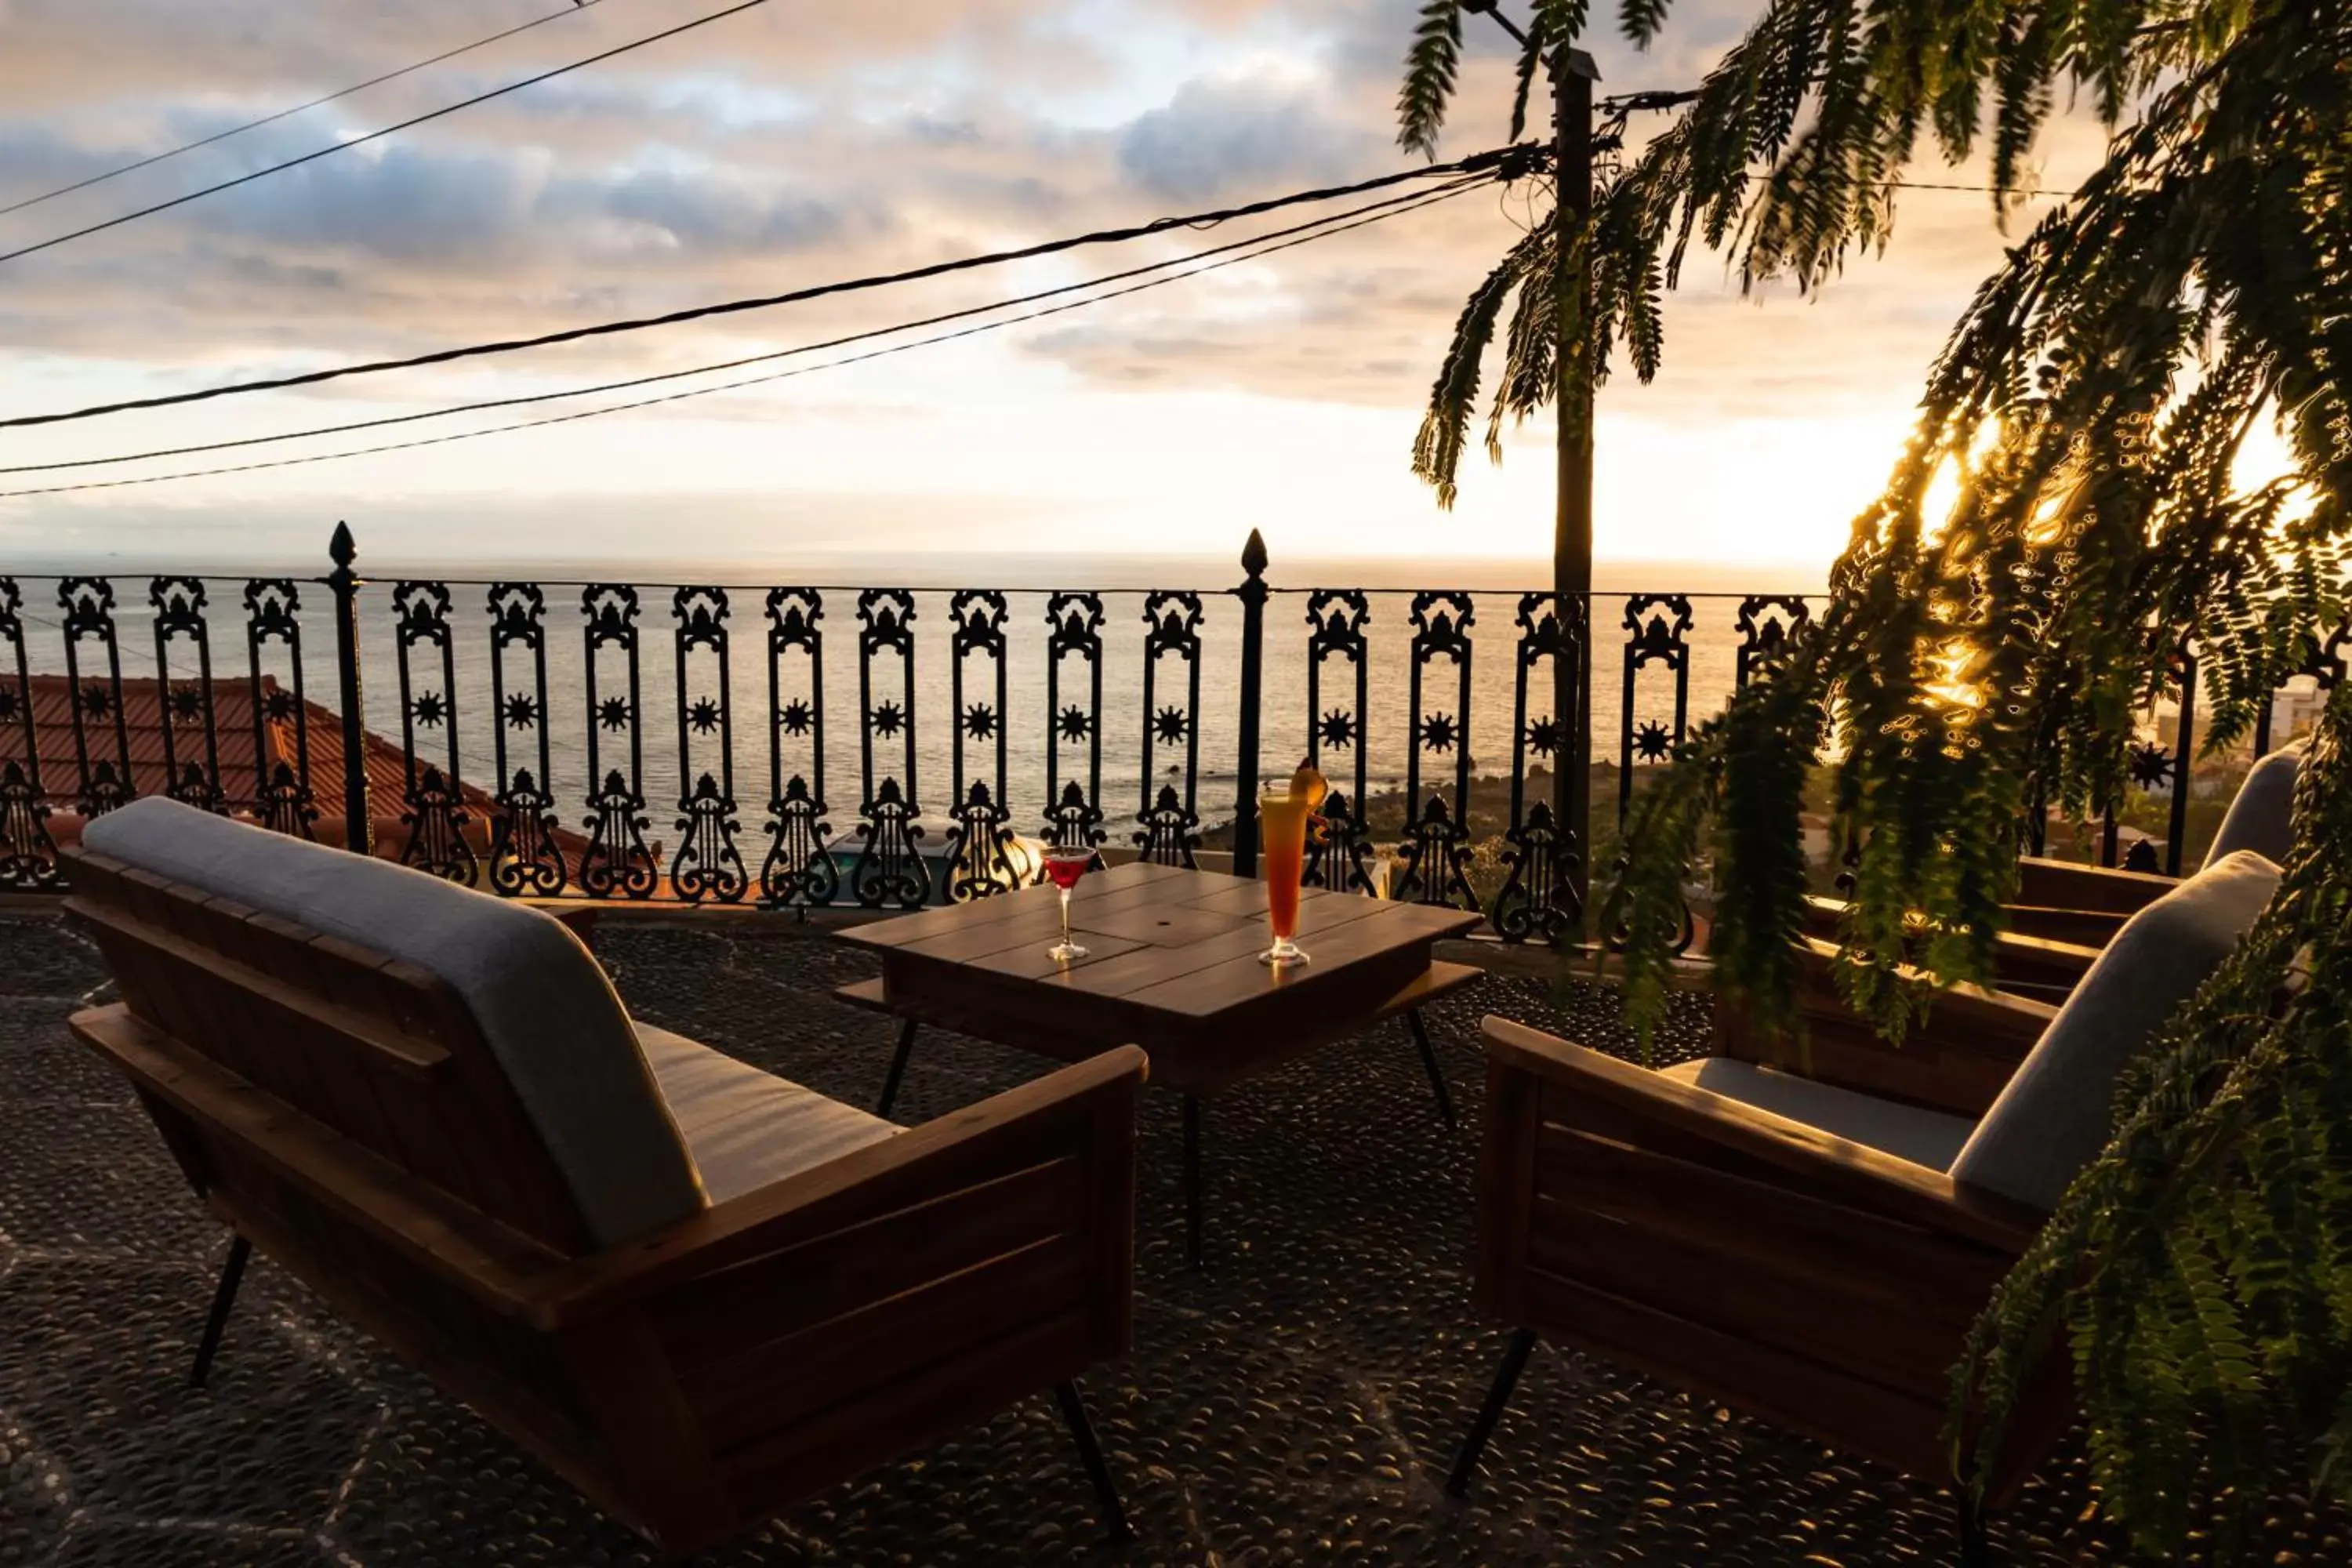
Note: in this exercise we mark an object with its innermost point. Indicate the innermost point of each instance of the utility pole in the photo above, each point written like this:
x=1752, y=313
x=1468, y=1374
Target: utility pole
x=1572, y=76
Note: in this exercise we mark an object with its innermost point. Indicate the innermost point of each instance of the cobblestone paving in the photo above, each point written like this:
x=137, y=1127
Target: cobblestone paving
x=1296, y=1403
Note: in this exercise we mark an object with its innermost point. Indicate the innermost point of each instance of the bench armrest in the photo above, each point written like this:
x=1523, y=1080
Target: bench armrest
x=2044, y=883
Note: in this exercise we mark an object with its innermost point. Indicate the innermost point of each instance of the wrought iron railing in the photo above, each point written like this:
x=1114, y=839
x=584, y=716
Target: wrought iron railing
x=562, y=690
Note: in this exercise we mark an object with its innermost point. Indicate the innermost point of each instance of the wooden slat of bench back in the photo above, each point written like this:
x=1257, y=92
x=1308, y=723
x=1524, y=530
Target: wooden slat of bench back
x=379, y=1050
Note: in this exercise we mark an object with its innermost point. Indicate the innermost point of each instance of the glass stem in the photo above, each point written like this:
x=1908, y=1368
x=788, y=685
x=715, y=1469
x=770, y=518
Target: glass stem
x=1066, y=917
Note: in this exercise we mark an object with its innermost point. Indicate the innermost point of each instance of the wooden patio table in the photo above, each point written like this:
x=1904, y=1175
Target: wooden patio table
x=1171, y=965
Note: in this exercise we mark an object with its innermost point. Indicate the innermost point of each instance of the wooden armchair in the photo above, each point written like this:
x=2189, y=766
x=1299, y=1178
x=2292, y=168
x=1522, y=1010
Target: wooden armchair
x=1812, y=1280
x=1808, y=1234
x=834, y=1292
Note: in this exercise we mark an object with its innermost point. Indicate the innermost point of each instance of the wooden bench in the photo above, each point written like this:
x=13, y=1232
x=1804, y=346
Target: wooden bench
x=341, y=1112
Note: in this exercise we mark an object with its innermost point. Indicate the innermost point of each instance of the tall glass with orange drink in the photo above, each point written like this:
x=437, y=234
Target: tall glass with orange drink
x=1283, y=813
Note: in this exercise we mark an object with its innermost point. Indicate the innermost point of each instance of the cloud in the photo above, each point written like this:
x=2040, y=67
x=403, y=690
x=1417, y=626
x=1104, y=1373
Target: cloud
x=1214, y=138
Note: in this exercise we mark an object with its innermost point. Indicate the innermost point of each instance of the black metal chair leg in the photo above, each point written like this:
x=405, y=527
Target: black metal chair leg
x=1976, y=1547
x=897, y=1067
x=1193, y=1182
x=224, y=1298
x=1429, y=1060
x=1090, y=1454
x=1506, y=1377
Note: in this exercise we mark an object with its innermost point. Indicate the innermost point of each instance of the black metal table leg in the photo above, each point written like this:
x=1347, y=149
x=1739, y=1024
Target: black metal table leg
x=224, y=1298
x=1193, y=1182
x=1090, y=1455
x=1506, y=1377
x=898, y=1067
x=1429, y=1061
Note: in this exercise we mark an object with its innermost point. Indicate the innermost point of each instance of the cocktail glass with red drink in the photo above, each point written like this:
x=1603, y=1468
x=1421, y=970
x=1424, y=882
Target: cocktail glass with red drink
x=1065, y=864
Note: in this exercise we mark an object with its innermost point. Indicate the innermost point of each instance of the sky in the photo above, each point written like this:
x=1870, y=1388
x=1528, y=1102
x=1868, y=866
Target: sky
x=798, y=143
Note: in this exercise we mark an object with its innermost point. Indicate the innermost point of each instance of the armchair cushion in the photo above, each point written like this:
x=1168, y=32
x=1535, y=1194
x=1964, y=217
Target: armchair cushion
x=1928, y=1138
x=2054, y=1116
x=2261, y=815
x=544, y=1008
x=745, y=1128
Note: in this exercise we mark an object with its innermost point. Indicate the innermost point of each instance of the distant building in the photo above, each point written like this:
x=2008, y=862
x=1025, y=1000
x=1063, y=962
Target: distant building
x=82, y=750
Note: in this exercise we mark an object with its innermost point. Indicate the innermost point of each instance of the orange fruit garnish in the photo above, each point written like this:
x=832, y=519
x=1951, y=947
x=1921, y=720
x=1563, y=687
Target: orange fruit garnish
x=1311, y=784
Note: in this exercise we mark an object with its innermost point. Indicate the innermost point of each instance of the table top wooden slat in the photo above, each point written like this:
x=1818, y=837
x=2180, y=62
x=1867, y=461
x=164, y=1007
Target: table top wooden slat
x=1123, y=975
x=1023, y=919
x=1241, y=979
x=926, y=923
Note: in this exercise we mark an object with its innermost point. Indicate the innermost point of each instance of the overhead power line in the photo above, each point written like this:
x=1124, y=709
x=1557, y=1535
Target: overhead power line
x=892, y=330
x=329, y=152
x=149, y=161
x=1245, y=250
x=1494, y=159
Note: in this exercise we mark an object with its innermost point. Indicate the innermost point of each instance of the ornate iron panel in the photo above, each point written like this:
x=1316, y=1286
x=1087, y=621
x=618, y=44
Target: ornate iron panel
x=617, y=863
x=282, y=800
x=526, y=858
x=434, y=815
x=890, y=867
x=1074, y=813
x=708, y=867
x=1769, y=624
x=187, y=715
x=980, y=847
x=1660, y=626
x=799, y=871
x=1431, y=868
x=1336, y=618
x=1170, y=829
x=88, y=606
x=1538, y=900
x=28, y=858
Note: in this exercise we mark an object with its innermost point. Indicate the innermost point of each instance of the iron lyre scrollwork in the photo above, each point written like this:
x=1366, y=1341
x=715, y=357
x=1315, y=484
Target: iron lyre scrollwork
x=432, y=796
x=95, y=700
x=799, y=872
x=1074, y=813
x=617, y=863
x=889, y=868
x=980, y=844
x=1433, y=867
x=1538, y=902
x=187, y=715
x=708, y=867
x=1339, y=723
x=526, y=855
x=282, y=797
x=1169, y=820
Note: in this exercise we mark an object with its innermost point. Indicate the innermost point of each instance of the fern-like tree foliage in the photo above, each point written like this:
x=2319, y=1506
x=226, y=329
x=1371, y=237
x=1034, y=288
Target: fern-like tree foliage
x=1975, y=669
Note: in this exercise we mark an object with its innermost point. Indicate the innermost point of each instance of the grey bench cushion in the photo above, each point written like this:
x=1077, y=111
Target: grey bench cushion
x=2056, y=1115
x=2262, y=815
x=746, y=1128
x=1928, y=1138
x=544, y=1007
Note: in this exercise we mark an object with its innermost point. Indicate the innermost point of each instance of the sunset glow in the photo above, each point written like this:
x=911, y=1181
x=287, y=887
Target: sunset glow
x=795, y=145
